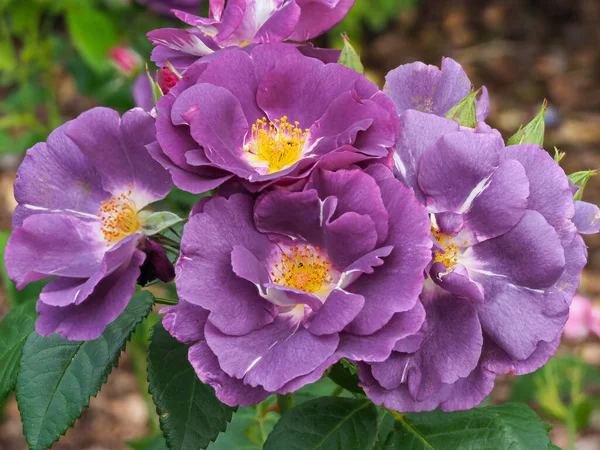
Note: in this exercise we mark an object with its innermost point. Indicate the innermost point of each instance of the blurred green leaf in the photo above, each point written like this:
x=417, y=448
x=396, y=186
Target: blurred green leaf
x=563, y=386
x=149, y=443
x=93, y=34
x=249, y=428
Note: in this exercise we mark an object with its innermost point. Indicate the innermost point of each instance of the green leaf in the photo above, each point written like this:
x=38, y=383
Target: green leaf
x=149, y=443
x=326, y=423
x=465, y=111
x=191, y=416
x=349, y=58
x=581, y=179
x=510, y=426
x=385, y=426
x=248, y=429
x=14, y=330
x=533, y=132
x=57, y=377
x=343, y=375
x=156, y=222
x=93, y=35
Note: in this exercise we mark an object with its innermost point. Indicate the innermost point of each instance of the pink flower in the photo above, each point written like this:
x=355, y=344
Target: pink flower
x=126, y=60
x=584, y=318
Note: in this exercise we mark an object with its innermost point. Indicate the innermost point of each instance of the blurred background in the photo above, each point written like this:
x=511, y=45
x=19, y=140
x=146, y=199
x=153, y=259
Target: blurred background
x=61, y=57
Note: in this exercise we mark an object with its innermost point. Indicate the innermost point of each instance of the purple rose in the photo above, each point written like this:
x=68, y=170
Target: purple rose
x=506, y=265
x=429, y=89
x=275, y=290
x=79, y=220
x=270, y=115
x=243, y=22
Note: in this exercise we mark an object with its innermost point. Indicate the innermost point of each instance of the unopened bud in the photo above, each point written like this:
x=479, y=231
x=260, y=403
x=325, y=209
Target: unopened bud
x=533, y=132
x=167, y=79
x=126, y=60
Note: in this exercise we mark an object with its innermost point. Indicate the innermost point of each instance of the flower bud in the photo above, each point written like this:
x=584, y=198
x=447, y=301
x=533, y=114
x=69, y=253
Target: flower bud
x=167, y=79
x=126, y=60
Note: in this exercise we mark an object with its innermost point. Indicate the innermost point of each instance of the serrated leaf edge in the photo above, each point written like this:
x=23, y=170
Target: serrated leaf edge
x=163, y=427
x=113, y=365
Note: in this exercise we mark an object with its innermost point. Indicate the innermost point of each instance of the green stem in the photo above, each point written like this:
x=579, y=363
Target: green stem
x=165, y=240
x=285, y=402
x=166, y=301
x=572, y=429
x=140, y=367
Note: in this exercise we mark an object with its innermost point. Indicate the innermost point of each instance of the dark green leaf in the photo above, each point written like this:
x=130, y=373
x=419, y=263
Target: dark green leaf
x=465, y=111
x=326, y=423
x=511, y=426
x=385, y=425
x=343, y=376
x=248, y=429
x=93, y=35
x=149, y=443
x=191, y=416
x=57, y=377
x=14, y=330
x=533, y=132
x=349, y=58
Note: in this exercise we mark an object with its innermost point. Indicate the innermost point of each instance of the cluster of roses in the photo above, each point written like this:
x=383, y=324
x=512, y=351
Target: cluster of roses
x=347, y=222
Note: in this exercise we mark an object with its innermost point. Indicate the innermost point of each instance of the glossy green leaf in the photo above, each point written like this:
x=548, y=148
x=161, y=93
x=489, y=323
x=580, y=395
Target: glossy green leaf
x=326, y=423
x=533, y=132
x=57, y=377
x=511, y=426
x=191, y=416
x=14, y=330
x=93, y=34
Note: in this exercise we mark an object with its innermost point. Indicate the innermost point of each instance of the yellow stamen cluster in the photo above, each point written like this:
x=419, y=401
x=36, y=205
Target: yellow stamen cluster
x=119, y=218
x=451, y=250
x=278, y=143
x=303, y=268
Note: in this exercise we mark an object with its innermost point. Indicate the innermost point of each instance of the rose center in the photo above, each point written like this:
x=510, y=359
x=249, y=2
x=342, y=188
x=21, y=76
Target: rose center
x=303, y=268
x=276, y=144
x=449, y=257
x=119, y=218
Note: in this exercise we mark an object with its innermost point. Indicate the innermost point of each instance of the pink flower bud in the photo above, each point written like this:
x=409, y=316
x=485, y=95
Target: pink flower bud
x=126, y=60
x=166, y=79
